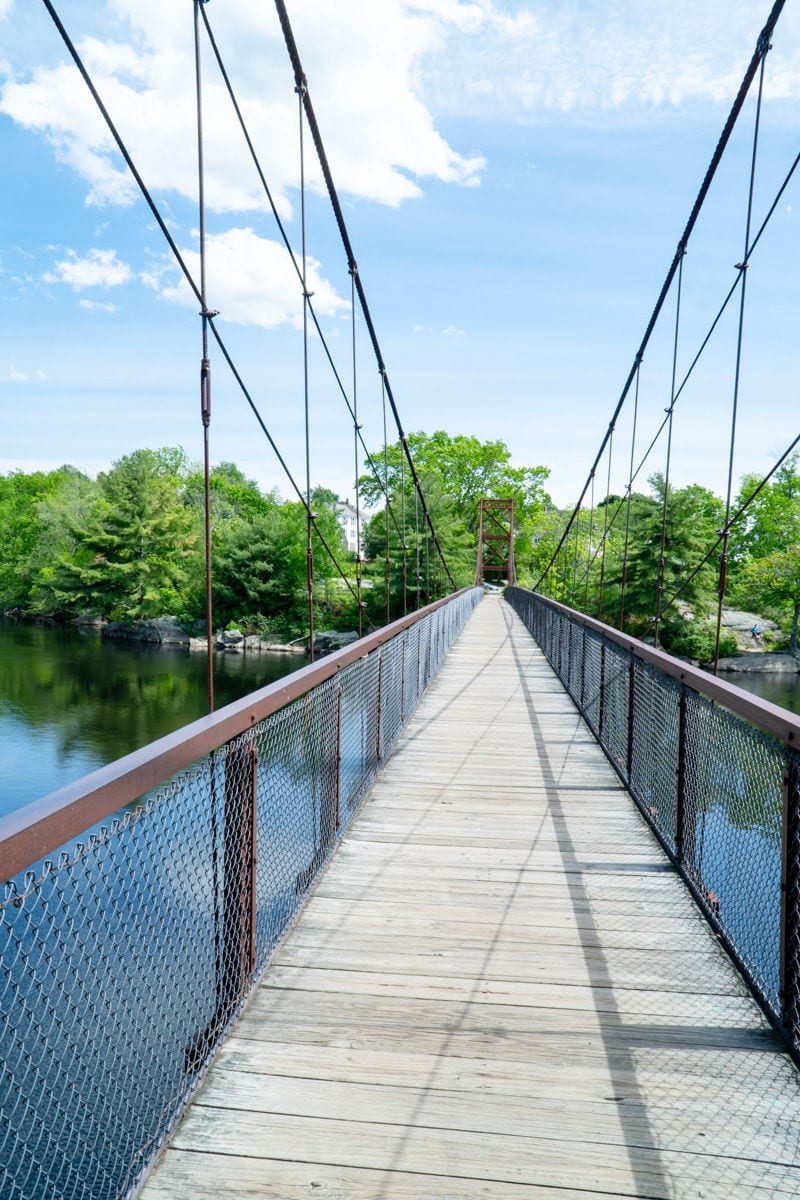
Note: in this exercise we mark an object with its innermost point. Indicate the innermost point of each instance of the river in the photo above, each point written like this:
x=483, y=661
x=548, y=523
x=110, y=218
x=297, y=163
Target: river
x=71, y=701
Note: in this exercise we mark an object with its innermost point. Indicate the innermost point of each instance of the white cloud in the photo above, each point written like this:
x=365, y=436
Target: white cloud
x=17, y=376
x=97, y=306
x=571, y=58
x=100, y=268
x=454, y=331
x=251, y=281
x=360, y=58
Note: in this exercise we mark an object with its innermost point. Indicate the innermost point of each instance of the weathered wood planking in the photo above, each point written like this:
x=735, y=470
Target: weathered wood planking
x=498, y=989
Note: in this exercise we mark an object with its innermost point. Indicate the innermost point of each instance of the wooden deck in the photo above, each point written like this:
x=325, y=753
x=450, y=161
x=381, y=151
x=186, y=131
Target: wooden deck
x=498, y=989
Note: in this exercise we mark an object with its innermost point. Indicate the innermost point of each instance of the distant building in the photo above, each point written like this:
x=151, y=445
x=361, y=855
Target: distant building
x=348, y=517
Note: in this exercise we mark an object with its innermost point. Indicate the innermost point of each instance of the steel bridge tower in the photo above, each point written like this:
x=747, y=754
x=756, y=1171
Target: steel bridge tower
x=496, y=541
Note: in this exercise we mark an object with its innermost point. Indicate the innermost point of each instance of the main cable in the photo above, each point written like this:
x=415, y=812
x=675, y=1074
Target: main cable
x=762, y=46
x=73, y=52
x=285, y=238
x=300, y=79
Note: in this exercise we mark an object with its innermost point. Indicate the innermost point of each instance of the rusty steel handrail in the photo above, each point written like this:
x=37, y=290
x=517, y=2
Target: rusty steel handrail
x=768, y=717
x=42, y=827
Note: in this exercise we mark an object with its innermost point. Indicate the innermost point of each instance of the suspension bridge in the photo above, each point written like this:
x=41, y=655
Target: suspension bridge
x=497, y=900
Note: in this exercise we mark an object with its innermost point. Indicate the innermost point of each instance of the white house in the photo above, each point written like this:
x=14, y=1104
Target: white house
x=347, y=516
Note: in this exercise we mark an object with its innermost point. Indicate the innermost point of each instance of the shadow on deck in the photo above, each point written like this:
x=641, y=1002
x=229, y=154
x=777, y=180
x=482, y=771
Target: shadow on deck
x=498, y=988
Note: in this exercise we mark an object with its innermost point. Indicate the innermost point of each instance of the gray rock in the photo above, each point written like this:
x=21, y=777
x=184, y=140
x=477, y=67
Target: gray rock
x=89, y=621
x=327, y=641
x=785, y=664
x=741, y=623
x=230, y=637
x=162, y=631
x=253, y=643
x=196, y=645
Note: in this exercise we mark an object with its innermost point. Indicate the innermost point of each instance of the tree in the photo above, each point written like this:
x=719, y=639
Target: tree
x=766, y=544
x=693, y=516
x=134, y=547
x=20, y=528
x=458, y=470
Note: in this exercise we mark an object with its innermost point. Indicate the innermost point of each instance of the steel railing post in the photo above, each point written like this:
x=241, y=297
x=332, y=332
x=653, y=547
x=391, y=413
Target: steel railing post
x=601, y=709
x=378, y=709
x=238, y=873
x=680, y=781
x=631, y=718
x=790, y=900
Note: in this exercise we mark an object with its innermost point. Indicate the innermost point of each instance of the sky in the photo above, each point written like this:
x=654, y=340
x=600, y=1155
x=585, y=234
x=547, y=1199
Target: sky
x=515, y=178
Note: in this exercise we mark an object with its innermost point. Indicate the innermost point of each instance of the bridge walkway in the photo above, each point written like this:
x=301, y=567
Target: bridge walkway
x=499, y=988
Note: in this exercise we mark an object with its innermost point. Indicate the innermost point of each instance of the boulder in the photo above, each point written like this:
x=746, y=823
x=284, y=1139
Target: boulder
x=162, y=631
x=785, y=664
x=740, y=624
x=329, y=640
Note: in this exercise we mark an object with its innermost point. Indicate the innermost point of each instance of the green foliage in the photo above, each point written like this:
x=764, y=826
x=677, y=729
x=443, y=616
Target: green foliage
x=21, y=528
x=454, y=472
x=766, y=547
x=695, y=639
x=693, y=516
x=132, y=546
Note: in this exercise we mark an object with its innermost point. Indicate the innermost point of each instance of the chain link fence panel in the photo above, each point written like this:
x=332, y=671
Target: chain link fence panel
x=126, y=958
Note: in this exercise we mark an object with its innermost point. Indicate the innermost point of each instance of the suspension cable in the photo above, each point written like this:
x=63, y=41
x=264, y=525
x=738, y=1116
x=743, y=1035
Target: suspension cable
x=630, y=496
x=307, y=427
x=742, y=266
x=386, y=561
x=300, y=77
x=205, y=365
x=356, y=428
x=286, y=242
x=589, y=549
x=736, y=517
x=181, y=262
x=762, y=46
x=670, y=417
x=605, y=528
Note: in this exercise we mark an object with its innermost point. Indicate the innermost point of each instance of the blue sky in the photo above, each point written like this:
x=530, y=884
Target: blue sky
x=515, y=177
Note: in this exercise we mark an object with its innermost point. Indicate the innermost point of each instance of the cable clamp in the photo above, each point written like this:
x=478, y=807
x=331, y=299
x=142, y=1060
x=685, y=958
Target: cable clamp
x=209, y=312
x=742, y=266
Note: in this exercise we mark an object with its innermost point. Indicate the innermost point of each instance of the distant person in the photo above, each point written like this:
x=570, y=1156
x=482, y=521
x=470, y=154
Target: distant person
x=757, y=635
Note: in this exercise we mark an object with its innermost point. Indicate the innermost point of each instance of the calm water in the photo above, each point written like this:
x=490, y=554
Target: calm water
x=70, y=701
x=779, y=689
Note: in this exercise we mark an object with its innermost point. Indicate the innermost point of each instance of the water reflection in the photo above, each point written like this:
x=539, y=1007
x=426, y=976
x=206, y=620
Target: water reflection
x=70, y=701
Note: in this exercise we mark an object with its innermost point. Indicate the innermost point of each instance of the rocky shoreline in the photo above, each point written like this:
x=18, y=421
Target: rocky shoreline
x=167, y=631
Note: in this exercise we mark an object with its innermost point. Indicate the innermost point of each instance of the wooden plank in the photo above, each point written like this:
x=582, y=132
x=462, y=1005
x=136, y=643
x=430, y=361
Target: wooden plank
x=499, y=987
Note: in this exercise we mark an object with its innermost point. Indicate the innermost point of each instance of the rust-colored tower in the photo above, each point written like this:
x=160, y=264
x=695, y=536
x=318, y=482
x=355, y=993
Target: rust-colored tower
x=496, y=540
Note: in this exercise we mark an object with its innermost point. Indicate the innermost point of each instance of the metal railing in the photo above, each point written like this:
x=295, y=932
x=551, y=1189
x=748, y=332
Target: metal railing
x=126, y=957
x=716, y=773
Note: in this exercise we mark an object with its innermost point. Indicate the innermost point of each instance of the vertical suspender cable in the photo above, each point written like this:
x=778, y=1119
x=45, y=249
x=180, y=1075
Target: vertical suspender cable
x=605, y=528
x=297, y=66
x=761, y=47
x=309, y=517
x=742, y=266
x=670, y=412
x=574, y=586
x=403, y=535
x=205, y=366
x=418, y=577
x=356, y=430
x=589, y=548
x=386, y=561
x=630, y=493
